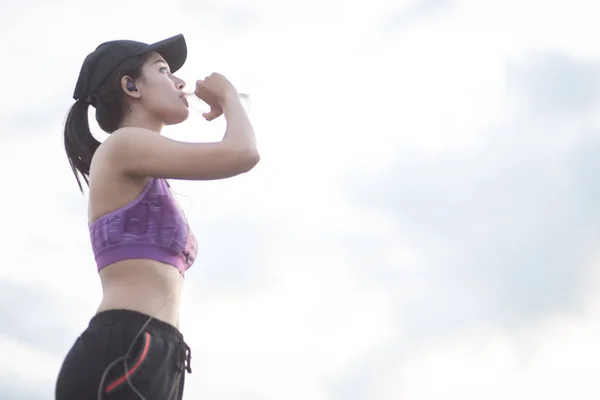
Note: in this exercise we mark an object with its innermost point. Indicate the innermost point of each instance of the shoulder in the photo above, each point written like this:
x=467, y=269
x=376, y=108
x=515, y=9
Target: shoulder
x=125, y=140
x=117, y=145
x=129, y=135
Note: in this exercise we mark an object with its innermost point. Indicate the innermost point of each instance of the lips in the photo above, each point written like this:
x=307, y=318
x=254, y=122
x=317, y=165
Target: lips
x=185, y=102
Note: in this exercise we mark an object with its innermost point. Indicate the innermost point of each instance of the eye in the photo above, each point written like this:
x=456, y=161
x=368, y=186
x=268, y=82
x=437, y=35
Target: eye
x=164, y=69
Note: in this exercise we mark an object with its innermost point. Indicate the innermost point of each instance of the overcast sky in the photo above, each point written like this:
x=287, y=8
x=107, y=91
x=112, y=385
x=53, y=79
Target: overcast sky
x=424, y=222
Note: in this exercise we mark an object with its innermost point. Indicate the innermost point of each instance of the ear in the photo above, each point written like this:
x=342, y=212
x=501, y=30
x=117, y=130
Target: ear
x=128, y=86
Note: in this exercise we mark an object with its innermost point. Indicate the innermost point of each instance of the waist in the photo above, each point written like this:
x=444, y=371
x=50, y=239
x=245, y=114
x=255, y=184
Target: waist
x=145, y=286
x=135, y=320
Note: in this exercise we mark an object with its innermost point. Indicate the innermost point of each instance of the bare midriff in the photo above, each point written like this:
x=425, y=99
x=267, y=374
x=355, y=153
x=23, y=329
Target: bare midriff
x=146, y=286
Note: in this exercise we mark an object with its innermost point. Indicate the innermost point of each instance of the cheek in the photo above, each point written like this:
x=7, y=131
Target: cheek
x=165, y=103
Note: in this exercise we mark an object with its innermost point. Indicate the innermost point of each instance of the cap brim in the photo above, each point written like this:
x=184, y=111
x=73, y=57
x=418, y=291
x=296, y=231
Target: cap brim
x=173, y=50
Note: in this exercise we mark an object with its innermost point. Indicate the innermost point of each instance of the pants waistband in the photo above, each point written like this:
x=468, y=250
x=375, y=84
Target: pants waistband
x=135, y=318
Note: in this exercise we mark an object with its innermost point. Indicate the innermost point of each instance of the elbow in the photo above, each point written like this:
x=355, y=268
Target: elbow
x=250, y=159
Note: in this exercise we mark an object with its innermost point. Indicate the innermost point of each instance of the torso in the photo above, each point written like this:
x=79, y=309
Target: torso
x=147, y=286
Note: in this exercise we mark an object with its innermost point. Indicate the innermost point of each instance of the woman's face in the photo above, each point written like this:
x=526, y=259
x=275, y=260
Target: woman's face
x=160, y=92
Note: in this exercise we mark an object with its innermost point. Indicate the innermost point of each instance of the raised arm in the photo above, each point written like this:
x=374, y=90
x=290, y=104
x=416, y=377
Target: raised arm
x=140, y=152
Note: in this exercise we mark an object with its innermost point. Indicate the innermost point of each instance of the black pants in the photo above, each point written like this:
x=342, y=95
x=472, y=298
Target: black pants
x=104, y=365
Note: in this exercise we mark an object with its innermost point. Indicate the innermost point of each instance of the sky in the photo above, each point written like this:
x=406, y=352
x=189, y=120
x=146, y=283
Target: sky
x=423, y=223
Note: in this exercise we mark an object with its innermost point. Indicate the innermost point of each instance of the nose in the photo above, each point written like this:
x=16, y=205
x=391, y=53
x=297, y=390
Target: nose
x=179, y=83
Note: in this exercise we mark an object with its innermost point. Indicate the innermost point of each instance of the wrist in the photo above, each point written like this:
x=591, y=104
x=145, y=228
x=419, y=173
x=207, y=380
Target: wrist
x=230, y=98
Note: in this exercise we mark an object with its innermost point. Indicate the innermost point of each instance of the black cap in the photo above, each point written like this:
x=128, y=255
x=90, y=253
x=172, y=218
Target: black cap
x=109, y=55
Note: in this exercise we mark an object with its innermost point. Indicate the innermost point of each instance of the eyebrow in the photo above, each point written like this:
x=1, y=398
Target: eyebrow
x=159, y=61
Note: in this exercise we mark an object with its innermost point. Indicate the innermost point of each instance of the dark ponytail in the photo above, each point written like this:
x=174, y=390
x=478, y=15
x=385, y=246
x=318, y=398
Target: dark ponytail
x=80, y=144
x=110, y=104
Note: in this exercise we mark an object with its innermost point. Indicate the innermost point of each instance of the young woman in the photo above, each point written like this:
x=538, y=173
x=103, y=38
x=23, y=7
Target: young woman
x=132, y=347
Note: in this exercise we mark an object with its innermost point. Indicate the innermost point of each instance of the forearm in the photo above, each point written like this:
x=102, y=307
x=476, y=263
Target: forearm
x=239, y=129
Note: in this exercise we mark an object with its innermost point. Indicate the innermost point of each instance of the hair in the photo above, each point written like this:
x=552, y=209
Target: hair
x=111, y=106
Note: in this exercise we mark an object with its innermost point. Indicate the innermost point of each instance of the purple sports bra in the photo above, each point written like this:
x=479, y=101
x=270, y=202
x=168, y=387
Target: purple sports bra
x=150, y=227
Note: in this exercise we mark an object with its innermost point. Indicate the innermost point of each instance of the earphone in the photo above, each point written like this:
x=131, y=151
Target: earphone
x=131, y=87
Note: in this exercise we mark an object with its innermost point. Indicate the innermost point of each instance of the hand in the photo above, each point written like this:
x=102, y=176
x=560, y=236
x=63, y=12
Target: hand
x=214, y=90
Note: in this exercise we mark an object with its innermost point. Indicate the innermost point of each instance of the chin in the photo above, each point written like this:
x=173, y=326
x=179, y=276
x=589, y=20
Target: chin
x=177, y=117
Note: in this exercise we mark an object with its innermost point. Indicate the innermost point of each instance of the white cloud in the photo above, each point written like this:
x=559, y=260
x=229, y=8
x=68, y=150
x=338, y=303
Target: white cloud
x=314, y=321
x=554, y=358
x=26, y=367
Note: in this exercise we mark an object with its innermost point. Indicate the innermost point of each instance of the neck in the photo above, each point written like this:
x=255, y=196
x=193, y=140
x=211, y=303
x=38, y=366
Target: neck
x=141, y=120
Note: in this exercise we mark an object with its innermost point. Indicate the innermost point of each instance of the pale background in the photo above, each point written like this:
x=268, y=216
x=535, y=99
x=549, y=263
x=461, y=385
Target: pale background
x=424, y=223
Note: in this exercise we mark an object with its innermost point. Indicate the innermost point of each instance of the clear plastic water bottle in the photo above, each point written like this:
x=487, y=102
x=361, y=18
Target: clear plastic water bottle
x=200, y=106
